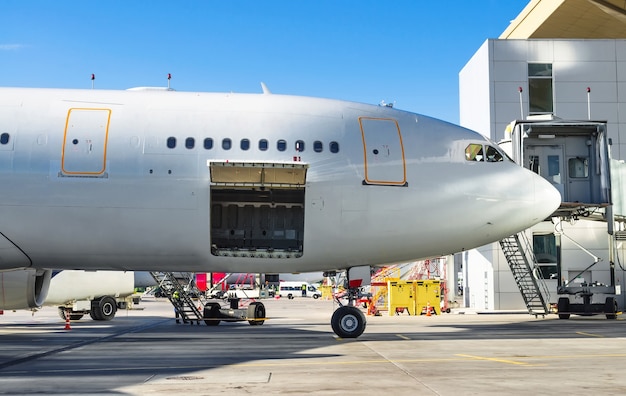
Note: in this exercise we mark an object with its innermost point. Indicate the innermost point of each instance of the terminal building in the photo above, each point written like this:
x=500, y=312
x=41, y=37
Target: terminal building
x=555, y=80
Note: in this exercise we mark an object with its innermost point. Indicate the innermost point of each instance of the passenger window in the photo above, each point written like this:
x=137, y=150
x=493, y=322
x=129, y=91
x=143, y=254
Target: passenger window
x=281, y=145
x=226, y=144
x=171, y=142
x=334, y=147
x=208, y=144
x=4, y=138
x=263, y=144
x=245, y=144
x=190, y=143
x=494, y=155
x=299, y=146
x=318, y=146
x=474, y=152
x=578, y=167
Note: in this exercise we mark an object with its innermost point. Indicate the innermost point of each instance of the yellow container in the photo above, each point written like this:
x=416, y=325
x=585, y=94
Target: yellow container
x=414, y=296
x=428, y=294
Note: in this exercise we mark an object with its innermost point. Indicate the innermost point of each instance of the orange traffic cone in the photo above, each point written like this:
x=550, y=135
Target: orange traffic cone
x=67, y=320
x=428, y=309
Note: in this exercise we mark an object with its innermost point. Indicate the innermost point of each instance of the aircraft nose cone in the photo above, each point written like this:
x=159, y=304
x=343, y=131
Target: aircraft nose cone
x=547, y=198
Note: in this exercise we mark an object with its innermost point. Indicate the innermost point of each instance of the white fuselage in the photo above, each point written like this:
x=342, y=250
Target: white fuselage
x=94, y=180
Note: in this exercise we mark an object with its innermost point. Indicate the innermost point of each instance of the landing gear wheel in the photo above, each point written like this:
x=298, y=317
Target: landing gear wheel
x=211, y=312
x=103, y=308
x=348, y=322
x=256, y=310
x=73, y=315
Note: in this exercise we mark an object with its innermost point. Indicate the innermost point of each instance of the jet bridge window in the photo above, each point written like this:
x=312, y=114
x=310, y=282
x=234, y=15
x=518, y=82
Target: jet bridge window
x=578, y=167
x=544, y=248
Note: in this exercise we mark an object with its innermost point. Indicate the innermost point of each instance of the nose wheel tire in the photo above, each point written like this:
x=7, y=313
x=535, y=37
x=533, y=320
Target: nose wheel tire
x=348, y=322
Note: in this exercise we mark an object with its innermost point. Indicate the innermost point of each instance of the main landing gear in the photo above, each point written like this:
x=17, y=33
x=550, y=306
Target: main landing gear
x=348, y=321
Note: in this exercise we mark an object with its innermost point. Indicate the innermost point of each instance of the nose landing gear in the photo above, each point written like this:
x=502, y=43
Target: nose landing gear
x=348, y=321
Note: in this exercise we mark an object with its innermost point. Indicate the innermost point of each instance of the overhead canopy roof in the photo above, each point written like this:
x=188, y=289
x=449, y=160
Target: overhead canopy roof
x=583, y=19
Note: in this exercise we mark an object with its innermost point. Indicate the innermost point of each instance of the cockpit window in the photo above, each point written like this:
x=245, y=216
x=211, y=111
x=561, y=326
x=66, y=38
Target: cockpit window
x=474, y=152
x=493, y=155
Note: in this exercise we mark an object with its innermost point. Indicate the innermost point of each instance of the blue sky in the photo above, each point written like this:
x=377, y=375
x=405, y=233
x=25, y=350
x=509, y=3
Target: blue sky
x=407, y=51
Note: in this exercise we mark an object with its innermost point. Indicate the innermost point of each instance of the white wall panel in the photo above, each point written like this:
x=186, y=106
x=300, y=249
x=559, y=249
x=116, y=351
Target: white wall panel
x=584, y=50
x=509, y=50
x=620, y=50
x=509, y=71
x=540, y=51
x=585, y=72
x=576, y=91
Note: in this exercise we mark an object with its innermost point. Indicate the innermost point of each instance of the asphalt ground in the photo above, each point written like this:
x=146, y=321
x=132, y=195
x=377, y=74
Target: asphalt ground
x=144, y=352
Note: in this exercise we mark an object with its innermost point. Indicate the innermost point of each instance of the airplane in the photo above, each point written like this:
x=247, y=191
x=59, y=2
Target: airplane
x=152, y=179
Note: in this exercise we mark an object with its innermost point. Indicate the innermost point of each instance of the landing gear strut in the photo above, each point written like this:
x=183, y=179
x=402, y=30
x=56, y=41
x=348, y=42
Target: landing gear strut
x=348, y=321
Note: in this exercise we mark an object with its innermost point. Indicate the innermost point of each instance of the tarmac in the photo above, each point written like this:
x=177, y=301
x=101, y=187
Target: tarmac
x=144, y=352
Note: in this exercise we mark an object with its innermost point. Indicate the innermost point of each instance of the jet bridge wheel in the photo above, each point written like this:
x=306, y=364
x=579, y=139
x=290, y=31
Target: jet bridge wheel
x=348, y=322
x=563, y=306
x=256, y=310
x=610, y=308
x=211, y=313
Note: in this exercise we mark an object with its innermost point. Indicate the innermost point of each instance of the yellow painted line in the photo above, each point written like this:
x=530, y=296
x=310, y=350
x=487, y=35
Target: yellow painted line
x=459, y=358
x=495, y=360
x=403, y=337
x=589, y=334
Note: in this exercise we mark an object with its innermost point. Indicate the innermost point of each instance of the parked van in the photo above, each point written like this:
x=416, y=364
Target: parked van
x=294, y=289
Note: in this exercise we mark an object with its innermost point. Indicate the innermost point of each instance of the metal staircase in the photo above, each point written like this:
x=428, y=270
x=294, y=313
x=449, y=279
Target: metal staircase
x=184, y=285
x=519, y=254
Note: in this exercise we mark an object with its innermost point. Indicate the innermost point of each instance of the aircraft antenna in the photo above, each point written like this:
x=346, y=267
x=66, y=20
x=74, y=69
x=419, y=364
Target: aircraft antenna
x=169, y=77
x=265, y=89
x=93, y=79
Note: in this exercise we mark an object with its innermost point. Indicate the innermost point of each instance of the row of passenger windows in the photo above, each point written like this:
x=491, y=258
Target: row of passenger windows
x=227, y=144
x=245, y=144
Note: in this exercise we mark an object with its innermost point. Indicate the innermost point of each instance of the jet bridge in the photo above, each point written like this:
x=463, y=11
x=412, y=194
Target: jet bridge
x=574, y=156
